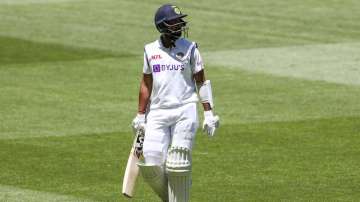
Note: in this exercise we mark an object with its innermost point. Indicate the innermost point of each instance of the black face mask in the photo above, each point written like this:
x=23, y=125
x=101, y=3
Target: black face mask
x=174, y=36
x=176, y=29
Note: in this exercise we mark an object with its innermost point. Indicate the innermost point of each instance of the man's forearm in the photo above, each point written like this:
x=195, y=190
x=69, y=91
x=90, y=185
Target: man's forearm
x=144, y=93
x=144, y=96
x=200, y=79
x=206, y=106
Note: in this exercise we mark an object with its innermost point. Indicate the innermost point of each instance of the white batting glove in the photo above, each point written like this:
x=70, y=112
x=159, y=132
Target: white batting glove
x=138, y=123
x=211, y=122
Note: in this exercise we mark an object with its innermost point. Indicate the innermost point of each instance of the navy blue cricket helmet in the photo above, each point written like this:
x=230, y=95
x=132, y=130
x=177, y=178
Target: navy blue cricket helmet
x=169, y=20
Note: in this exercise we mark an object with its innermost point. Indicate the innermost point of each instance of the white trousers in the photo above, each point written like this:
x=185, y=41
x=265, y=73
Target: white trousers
x=169, y=127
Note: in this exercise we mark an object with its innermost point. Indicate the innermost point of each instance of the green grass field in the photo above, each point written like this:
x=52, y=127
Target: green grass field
x=286, y=79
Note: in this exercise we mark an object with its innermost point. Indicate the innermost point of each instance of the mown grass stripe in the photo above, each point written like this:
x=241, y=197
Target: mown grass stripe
x=337, y=63
x=25, y=2
x=12, y=193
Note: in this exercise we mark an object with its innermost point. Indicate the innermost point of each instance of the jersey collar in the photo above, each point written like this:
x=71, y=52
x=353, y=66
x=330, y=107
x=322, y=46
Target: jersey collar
x=161, y=45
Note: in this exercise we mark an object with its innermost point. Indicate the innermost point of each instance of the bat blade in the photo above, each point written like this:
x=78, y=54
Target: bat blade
x=132, y=169
x=131, y=173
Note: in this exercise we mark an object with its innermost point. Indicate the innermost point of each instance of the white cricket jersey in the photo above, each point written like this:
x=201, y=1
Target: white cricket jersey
x=172, y=70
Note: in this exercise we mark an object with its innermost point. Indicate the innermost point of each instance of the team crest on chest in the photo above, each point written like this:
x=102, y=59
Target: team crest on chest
x=180, y=55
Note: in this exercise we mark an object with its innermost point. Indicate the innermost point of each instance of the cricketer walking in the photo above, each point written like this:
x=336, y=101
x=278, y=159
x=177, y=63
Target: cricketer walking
x=173, y=72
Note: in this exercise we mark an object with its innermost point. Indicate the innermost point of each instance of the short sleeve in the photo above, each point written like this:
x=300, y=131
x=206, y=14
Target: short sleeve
x=196, y=62
x=146, y=67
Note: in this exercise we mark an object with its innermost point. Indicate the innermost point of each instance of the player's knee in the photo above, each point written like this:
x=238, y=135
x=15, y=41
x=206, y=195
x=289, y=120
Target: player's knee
x=154, y=158
x=178, y=160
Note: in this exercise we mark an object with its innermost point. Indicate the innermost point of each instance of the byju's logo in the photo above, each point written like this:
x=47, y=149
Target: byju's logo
x=167, y=67
x=156, y=68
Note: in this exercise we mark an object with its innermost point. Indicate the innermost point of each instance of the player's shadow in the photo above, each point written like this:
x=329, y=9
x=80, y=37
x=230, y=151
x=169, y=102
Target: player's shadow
x=20, y=51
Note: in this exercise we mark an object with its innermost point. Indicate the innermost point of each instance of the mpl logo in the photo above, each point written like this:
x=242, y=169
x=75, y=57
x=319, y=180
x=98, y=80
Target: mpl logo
x=155, y=57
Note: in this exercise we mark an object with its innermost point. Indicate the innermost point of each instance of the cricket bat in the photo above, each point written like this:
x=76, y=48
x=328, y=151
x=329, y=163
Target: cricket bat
x=132, y=169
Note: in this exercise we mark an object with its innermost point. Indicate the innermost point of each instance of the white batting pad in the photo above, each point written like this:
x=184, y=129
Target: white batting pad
x=155, y=176
x=178, y=168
